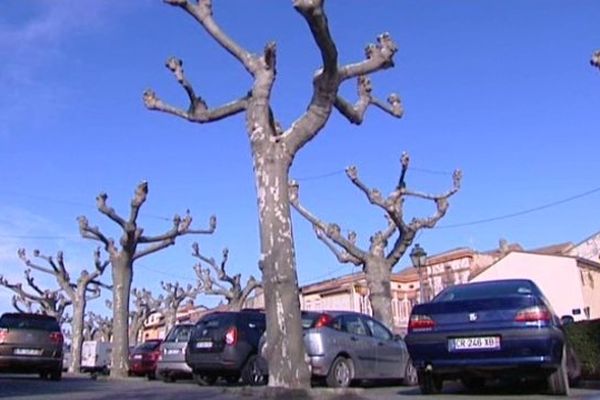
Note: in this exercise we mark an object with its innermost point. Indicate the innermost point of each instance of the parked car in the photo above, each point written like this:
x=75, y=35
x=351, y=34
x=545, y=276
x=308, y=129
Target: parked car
x=31, y=343
x=477, y=331
x=171, y=361
x=144, y=357
x=346, y=346
x=225, y=344
x=95, y=357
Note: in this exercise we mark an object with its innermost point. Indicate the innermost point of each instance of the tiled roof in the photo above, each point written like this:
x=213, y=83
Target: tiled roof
x=554, y=249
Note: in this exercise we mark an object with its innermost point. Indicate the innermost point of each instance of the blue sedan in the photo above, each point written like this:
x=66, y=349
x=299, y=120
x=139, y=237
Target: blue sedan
x=495, y=329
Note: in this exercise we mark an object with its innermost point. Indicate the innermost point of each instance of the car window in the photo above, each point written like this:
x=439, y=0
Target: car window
x=353, y=324
x=41, y=323
x=179, y=334
x=378, y=330
x=484, y=291
x=147, y=346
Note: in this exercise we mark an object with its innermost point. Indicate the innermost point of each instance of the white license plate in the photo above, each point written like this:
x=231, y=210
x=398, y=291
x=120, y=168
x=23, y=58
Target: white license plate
x=28, y=352
x=203, y=345
x=172, y=351
x=474, y=343
x=137, y=357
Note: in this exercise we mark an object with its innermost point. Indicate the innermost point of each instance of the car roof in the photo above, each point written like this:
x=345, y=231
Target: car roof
x=28, y=316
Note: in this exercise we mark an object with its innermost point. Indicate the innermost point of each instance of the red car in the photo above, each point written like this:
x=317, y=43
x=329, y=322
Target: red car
x=144, y=357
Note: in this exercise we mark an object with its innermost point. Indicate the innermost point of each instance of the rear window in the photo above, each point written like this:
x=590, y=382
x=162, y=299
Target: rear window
x=485, y=291
x=147, y=346
x=179, y=334
x=309, y=319
x=29, y=321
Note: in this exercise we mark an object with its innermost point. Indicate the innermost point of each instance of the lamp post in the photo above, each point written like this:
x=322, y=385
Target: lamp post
x=418, y=256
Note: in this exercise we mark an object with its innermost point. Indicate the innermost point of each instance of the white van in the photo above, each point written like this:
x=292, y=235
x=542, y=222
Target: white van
x=95, y=356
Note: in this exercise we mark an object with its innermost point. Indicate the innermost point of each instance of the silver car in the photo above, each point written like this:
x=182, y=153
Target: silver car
x=171, y=362
x=345, y=346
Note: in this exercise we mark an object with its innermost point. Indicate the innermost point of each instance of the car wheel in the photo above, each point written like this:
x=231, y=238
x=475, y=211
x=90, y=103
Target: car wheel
x=151, y=376
x=410, y=375
x=473, y=383
x=429, y=383
x=341, y=373
x=558, y=381
x=252, y=373
x=55, y=375
x=204, y=379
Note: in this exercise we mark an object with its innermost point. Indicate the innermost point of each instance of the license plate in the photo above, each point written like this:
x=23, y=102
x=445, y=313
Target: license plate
x=474, y=343
x=172, y=351
x=28, y=352
x=137, y=357
x=203, y=345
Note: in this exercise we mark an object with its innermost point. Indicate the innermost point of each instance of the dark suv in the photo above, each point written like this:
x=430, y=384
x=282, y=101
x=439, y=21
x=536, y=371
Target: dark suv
x=224, y=344
x=31, y=343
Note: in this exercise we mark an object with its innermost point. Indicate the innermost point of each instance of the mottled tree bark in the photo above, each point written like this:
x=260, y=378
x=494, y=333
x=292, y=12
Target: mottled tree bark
x=273, y=150
x=122, y=260
x=376, y=264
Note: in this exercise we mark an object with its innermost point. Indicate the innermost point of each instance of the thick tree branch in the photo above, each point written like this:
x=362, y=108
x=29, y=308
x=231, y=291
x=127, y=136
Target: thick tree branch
x=342, y=256
x=379, y=56
x=27, y=261
x=109, y=211
x=355, y=113
x=203, y=13
x=332, y=231
x=94, y=233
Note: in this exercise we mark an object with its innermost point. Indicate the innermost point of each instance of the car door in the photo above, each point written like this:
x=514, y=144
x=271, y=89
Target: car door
x=359, y=344
x=391, y=354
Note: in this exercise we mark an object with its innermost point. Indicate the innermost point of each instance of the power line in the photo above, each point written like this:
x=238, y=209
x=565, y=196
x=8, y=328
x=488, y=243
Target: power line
x=343, y=171
x=519, y=213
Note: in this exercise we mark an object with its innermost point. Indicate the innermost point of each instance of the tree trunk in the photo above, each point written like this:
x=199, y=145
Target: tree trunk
x=77, y=331
x=286, y=355
x=122, y=275
x=378, y=276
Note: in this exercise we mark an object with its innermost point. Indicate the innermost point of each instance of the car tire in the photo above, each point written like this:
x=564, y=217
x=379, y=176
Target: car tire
x=410, y=375
x=204, y=379
x=429, y=383
x=167, y=378
x=151, y=376
x=55, y=375
x=558, y=381
x=341, y=373
x=252, y=374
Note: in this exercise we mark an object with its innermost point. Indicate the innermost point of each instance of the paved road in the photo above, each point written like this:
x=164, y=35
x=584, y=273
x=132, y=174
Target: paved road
x=81, y=387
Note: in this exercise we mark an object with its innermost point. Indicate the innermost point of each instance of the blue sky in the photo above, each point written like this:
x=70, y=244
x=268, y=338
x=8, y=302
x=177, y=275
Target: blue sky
x=502, y=90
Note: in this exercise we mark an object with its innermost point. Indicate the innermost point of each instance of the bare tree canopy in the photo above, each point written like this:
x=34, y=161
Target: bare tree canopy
x=376, y=263
x=144, y=304
x=227, y=286
x=79, y=292
x=134, y=244
x=36, y=299
x=273, y=150
x=174, y=296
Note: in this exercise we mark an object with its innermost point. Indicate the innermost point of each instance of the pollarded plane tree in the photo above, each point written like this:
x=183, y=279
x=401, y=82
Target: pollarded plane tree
x=38, y=300
x=101, y=327
x=144, y=305
x=273, y=149
x=174, y=296
x=134, y=244
x=80, y=291
x=230, y=288
x=376, y=263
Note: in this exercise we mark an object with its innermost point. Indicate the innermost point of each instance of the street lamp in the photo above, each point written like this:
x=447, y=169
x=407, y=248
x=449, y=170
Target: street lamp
x=418, y=256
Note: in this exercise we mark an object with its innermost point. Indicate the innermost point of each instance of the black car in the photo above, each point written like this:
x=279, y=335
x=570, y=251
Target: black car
x=225, y=344
x=31, y=343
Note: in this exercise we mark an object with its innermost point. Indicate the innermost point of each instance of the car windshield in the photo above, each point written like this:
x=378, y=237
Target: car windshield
x=179, y=334
x=484, y=291
x=36, y=322
x=147, y=346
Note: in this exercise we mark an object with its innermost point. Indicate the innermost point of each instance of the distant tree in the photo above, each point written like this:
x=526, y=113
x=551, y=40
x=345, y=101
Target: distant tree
x=375, y=262
x=231, y=288
x=273, y=151
x=144, y=305
x=79, y=292
x=595, y=61
x=123, y=258
x=174, y=296
x=36, y=299
x=102, y=327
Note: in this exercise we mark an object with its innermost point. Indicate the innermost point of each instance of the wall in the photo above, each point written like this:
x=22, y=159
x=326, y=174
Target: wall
x=557, y=277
